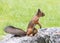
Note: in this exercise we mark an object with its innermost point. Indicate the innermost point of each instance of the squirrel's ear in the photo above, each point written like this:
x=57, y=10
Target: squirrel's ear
x=39, y=10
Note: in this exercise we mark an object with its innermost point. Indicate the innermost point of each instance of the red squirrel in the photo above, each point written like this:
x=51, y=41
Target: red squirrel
x=15, y=31
x=31, y=30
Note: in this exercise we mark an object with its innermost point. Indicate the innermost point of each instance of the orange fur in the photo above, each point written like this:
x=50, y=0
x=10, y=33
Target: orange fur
x=31, y=30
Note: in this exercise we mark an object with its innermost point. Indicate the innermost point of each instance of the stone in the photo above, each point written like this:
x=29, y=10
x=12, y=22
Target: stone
x=44, y=35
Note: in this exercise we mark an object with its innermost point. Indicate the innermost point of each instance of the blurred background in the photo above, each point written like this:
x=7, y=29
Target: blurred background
x=18, y=13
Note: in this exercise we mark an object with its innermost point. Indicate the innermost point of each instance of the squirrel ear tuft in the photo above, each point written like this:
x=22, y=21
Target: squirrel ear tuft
x=39, y=10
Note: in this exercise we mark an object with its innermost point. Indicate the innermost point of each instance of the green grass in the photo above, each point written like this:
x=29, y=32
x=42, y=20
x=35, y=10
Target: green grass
x=19, y=12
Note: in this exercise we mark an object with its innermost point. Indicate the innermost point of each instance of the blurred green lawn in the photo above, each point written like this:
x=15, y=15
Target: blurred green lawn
x=19, y=12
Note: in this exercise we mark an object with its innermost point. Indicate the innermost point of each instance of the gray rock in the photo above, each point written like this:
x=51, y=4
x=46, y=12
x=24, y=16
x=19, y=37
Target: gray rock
x=44, y=35
x=25, y=39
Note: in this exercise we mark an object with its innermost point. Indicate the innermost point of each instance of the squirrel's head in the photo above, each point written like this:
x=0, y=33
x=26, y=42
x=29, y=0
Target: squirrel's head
x=40, y=14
